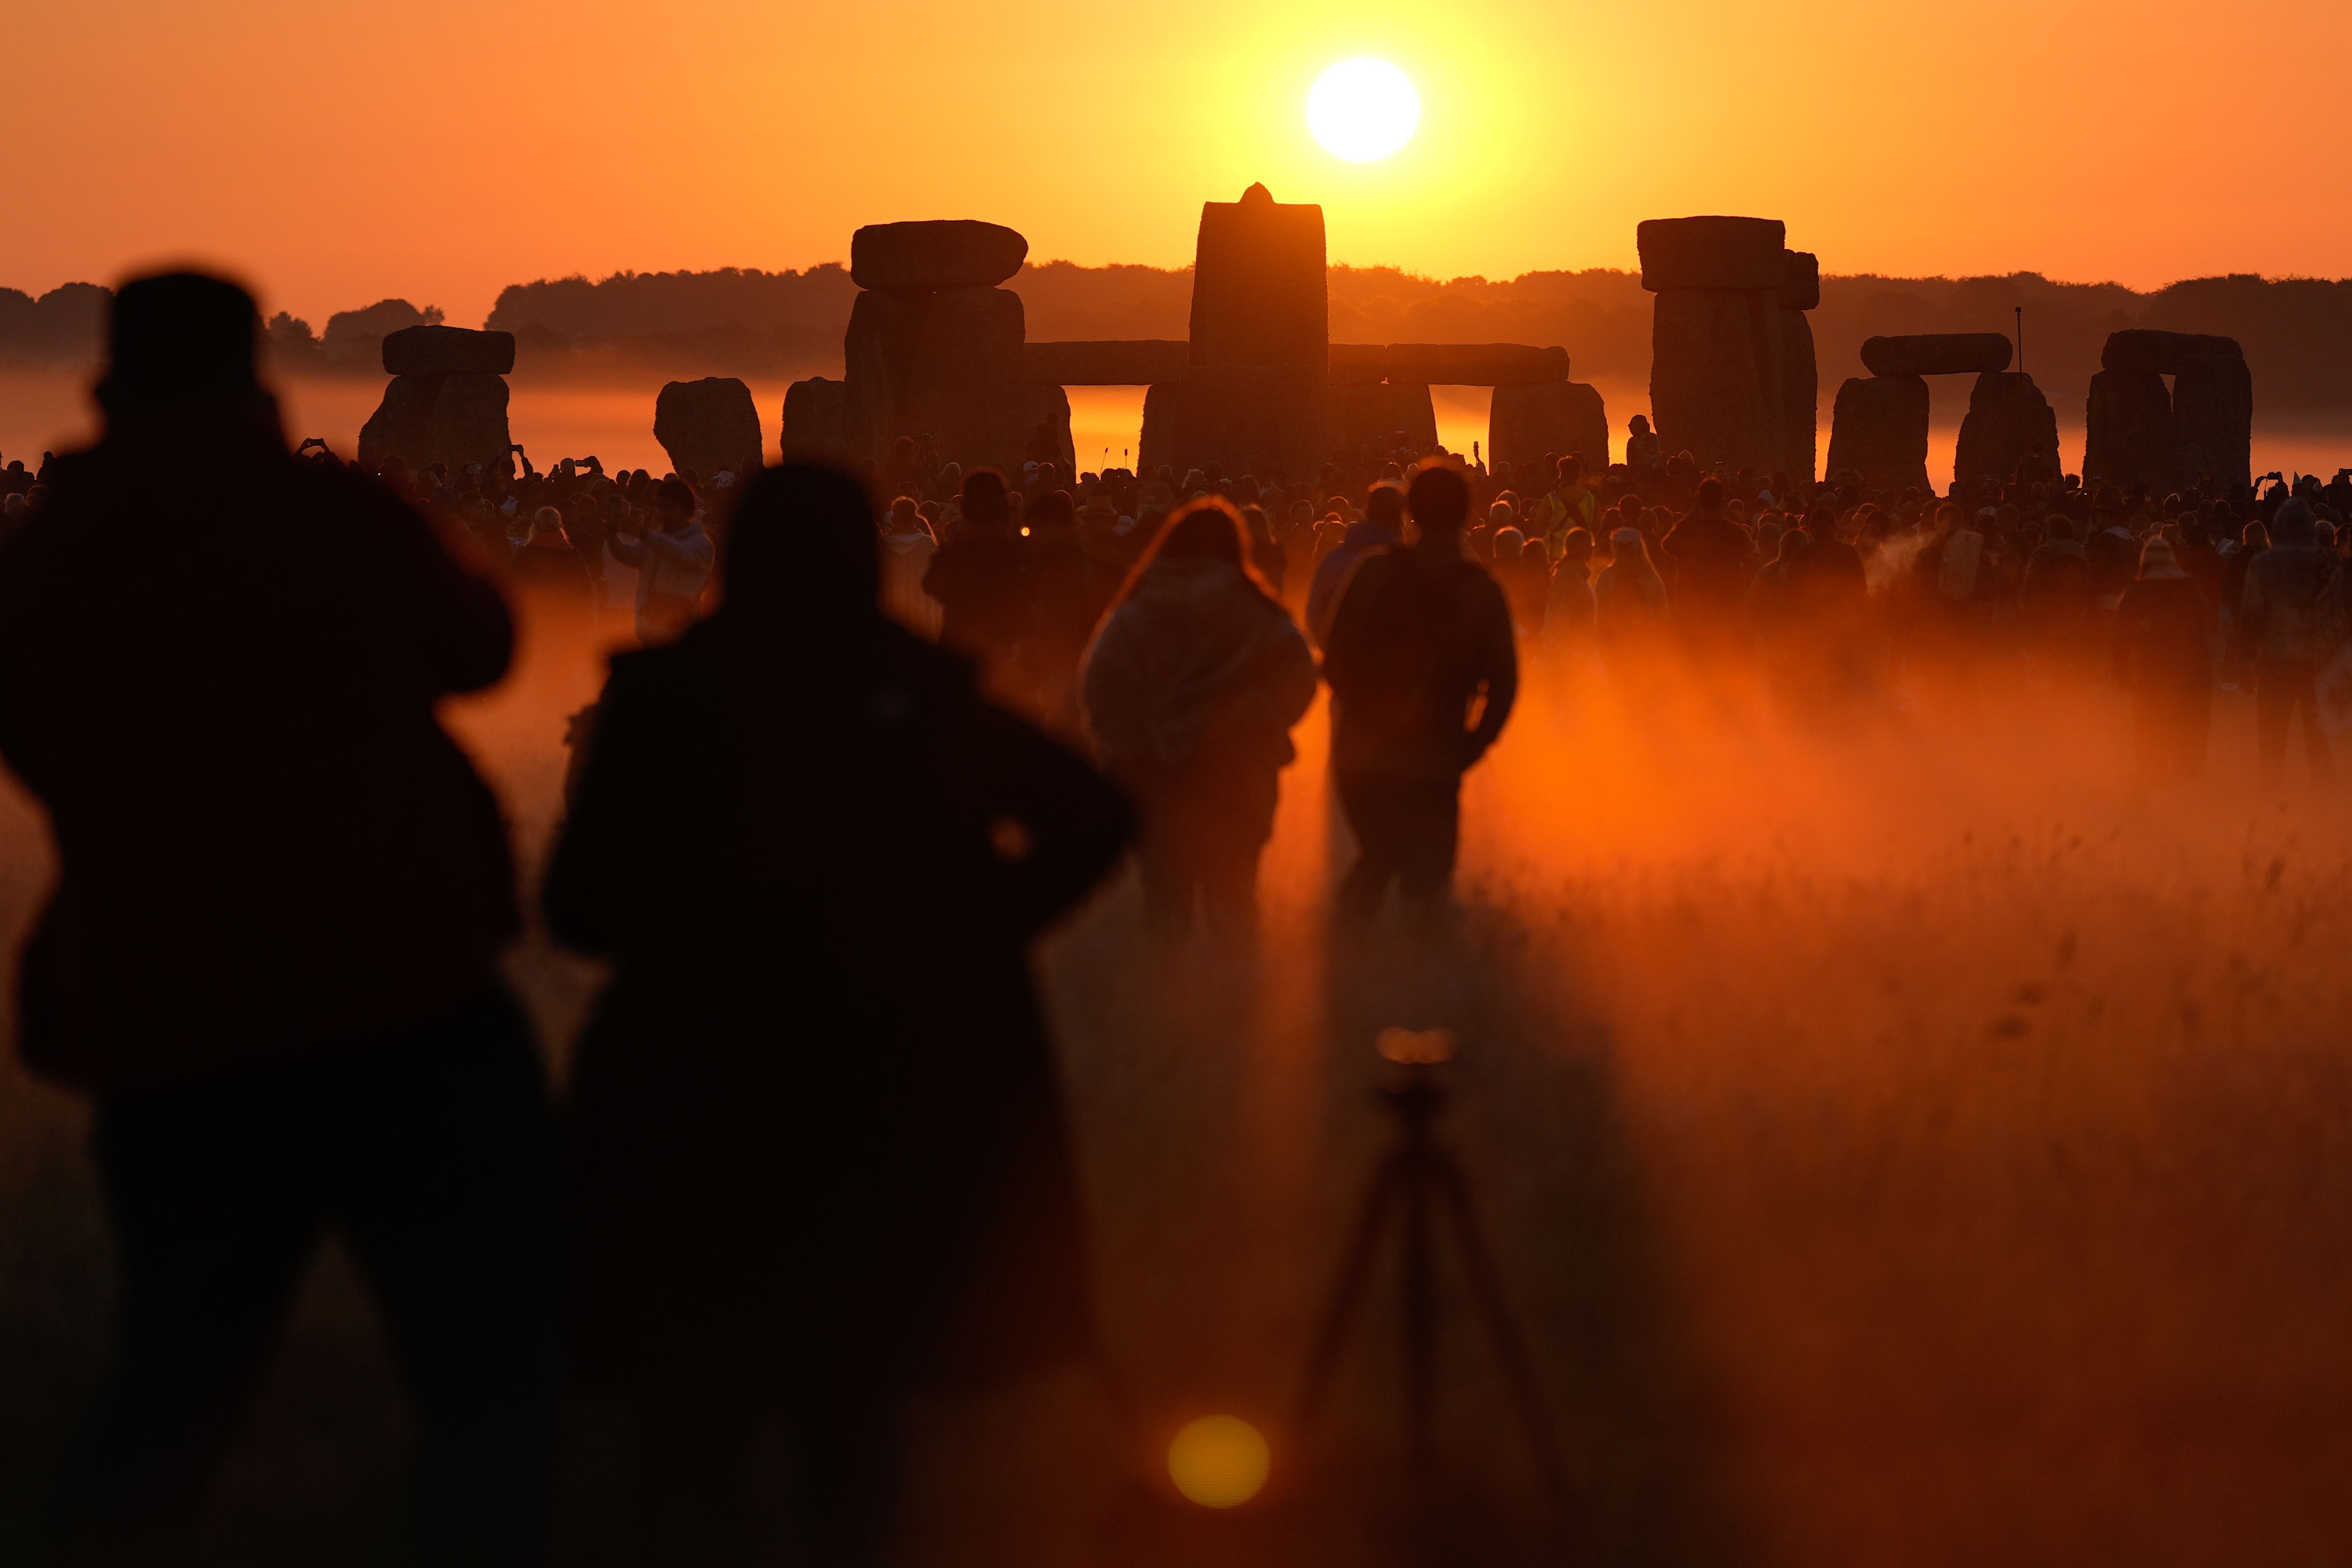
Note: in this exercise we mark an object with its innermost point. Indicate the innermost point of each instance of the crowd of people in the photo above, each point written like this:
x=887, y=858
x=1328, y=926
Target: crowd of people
x=797, y=1176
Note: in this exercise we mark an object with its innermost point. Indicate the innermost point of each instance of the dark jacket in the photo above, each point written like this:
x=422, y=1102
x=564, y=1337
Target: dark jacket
x=218, y=667
x=981, y=578
x=1711, y=553
x=816, y=1113
x=1418, y=634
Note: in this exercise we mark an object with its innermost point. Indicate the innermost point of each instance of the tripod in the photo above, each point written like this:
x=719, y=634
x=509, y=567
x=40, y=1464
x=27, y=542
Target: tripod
x=1419, y=1184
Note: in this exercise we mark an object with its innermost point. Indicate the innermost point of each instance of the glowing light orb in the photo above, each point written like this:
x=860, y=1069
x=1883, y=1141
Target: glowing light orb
x=1362, y=109
x=1219, y=1461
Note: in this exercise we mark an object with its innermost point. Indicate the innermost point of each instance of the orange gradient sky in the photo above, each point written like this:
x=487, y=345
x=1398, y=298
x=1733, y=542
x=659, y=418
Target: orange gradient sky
x=440, y=150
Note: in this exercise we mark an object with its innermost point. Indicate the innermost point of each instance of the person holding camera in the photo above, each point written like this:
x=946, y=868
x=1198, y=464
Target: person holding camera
x=672, y=560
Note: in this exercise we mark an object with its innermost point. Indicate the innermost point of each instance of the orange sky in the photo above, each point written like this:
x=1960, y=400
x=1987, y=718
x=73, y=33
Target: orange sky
x=438, y=149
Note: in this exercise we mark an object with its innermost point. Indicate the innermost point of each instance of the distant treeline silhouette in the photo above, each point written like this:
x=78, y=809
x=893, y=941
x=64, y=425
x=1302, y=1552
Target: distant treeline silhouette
x=2297, y=331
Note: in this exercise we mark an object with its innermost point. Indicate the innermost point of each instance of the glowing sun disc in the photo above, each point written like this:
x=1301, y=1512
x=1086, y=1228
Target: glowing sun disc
x=1362, y=109
x=1219, y=1461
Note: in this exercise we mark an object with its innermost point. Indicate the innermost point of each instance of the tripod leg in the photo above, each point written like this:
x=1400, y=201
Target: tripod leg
x=1348, y=1290
x=1419, y=1293
x=1510, y=1350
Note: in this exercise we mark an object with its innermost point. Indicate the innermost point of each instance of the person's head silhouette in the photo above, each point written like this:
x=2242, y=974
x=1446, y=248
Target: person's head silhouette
x=1439, y=500
x=801, y=553
x=181, y=342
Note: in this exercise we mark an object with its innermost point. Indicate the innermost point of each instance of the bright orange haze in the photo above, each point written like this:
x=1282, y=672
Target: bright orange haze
x=437, y=150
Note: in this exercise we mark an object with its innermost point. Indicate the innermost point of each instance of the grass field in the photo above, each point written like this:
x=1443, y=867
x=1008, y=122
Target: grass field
x=1909, y=1147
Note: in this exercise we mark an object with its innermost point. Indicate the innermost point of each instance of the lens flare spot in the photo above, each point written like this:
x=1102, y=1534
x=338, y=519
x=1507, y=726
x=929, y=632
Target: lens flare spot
x=1362, y=109
x=1219, y=1461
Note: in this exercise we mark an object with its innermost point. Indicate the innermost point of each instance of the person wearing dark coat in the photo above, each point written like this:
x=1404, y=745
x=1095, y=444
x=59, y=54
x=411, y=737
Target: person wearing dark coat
x=981, y=578
x=271, y=955
x=1711, y=552
x=1420, y=634
x=810, y=1170
x=1191, y=689
x=2164, y=627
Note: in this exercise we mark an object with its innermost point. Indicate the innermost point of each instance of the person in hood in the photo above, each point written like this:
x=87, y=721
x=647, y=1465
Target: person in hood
x=809, y=1178
x=271, y=957
x=2163, y=624
x=1383, y=526
x=1191, y=689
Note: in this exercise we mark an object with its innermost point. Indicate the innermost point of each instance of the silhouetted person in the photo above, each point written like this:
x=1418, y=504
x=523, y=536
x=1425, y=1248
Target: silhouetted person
x=1383, y=526
x=1420, y=634
x=672, y=560
x=815, y=1167
x=1068, y=590
x=271, y=957
x=1191, y=690
x=2277, y=619
x=2163, y=632
x=1711, y=552
x=980, y=577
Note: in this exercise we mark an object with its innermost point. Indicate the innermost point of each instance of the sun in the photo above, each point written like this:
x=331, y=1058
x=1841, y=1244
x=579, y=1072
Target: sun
x=1362, y=109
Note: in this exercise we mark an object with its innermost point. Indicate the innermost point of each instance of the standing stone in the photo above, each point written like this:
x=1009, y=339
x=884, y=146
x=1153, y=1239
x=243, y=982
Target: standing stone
x=1878, y=432
x=2127, y=436
x=1258, y=289
x=1716, y=341
x=813, y=415
x=1524, y=422
x=1378, y=413
x=1715, y=375
x=1801, y=394
x=945, y=363
x=2008, y=422
x=1264, y=420
x=941, y=253
x=452, y=419
x=708, y=426
x=2166, y=353
x=2213, y=419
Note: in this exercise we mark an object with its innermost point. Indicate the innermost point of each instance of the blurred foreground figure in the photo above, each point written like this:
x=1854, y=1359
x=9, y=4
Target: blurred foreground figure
x=815, y=1169
x=1420, y=635
x=270, y=954
x=1191, y=690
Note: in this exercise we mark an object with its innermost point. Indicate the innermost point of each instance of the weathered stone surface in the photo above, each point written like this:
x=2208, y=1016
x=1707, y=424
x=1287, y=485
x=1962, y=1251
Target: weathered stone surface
x=2127, y=436
x=947, y=364
x=814, y=410
x=2166, y=353
x=1259, y=294
x=1879, y=431
x=1712, y=253
x=2008, y=421
x=1047, y=410
x=1800, y=280
x=1134, y=363
x=1936, y=354
x=1257, y=419
x=708, y=426
x=1476, y=365
x=1358, y=364
x=1377, y=414
x=448, y=350
x=398, y=426
x=1528, y=419
x=1801, y=392
x=1714, y=374
x=941, y=253
x=452, y=419
x=2213, y=420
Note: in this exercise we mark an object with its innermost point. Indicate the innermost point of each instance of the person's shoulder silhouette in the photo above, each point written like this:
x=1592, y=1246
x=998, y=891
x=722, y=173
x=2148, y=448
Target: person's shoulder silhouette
x=218, y=667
